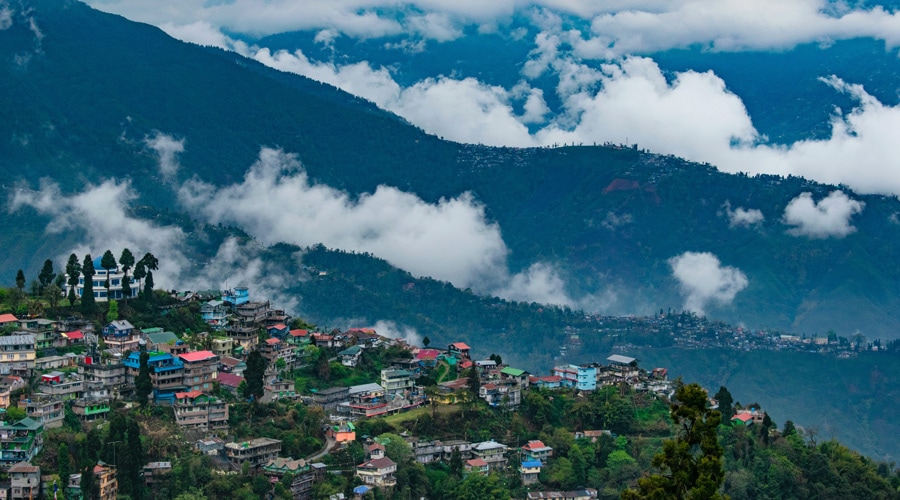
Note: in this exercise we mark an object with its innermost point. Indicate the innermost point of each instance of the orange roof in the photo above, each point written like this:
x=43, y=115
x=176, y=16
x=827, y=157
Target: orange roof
x=191, y=394
x=465, y=364
x=299, y=333
x=477, y=462
x=6, y=318
x=743, y=417
x=460, y=345
x=533, y=445
x=196, y=356
x=279, y=326
x=272, y=341
x=74, y=335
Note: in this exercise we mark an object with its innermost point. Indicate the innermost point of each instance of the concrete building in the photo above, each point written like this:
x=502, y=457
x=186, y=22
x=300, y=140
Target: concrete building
x=255, y=452
x=195, y=409
x=17, y=354
x=25, y=481
x=44, y=408
x=20, y=441
x=200, y=370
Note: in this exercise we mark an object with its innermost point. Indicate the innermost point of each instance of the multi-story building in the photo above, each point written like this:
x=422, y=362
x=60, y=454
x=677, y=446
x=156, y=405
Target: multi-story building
x=91, y=409
x=106, y=481
x=25, y=481
x=65, y=386
x=255, y=452
x=98, y=281
x=378, y=472
x=155, y=473
x=103, y=377
x=20, y=442
x=17, y=354
x=44, y=331
x=332, y=397
x=581, y=377
x=214, y=313
x=529, y=471
x=166, y=373
x=197, y=410
x=502, y=393
x=274, y=349
x=44, y=408
x=200, y=370
x=397, y=381
x=222, y=347
x=536, y=450
x=492, y=452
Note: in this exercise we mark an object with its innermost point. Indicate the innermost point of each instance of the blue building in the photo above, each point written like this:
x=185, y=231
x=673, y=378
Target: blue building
x=166, y=374
x=237, y=296
x=583, y=378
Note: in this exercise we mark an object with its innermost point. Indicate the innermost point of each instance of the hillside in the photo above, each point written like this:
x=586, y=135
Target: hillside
x=80, y=100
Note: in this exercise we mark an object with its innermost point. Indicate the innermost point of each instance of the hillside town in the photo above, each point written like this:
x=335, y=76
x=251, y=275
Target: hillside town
x=289, y=410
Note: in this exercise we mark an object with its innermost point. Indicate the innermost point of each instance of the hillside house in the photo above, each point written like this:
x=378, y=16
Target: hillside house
x=91, y=409
x=166, y=373
x=298, y=337
x=529, y=471
x=200, y=369
x=476, y=466
x=20, y=441
x=236, y=296
x=256, y=452
x=106, y=481
x=121, y=335
x=350, y=356
x=459, y=350
x=73, y=338
x=378, y=472
x=332, y=397
x=536, y=450
x=215, y=314
x=25, y=481
x=397, y=381
x=229, y=381
x=492, y=452
x=581, y=377
x=194, y=409
x=44, y=408
x=17, y=354
x=228, y=364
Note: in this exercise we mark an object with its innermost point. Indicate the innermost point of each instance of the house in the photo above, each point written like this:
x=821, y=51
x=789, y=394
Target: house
x=8, y=320
x=529, y=471
x=44, y=408
x=210, y=446
x=255, y=452
x=344, y=432
x=25, y=481
x=229, y=381
x=536, y=450
x=332, y=397
x=548, y=382
x=274, y=349
x=118, y=328
x=91, y=409
x=237, y=296
x=279, y=389
x=428, y=357
x=620, y=369
x=120, y=335
x=116, y=279
x=62, y=385
x=166, y=374
x=102, y=377
x=200, y=369
x=487, y=368
x=323, y=340
x=585, y=494
x=304, y=475
x=156, y=338
x=520, y=377
x=17, y=354
x=105, y=477
x=502, y=393
x=378, y=472
x=277, y=317
x=476, y=466
x=214, y=313
x=742, y=419
x=350, y=356
x=234, y=366
x=397, y=381
x=194, y=409
x=155, y=473
x=73, y=338
x=751, y=416
x=366, y=400
x=582, y=378
x=492, y=452
x=459, y=350
x=452, y=391
x=223, y=347
x=20, y=442
x=278, y=330
x=298, y=337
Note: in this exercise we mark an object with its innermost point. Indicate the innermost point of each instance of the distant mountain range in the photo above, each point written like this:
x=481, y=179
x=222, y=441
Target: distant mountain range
x=83, y=94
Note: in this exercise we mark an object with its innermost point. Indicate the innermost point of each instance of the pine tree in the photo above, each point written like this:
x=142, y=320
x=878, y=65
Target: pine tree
x=143, y=385
x=47, y=275
x=20, y=280
x=73, y=270
x=90, y=490
x=88, y=303
x=255, y=375
x=691, y=465
x=725, y=403
x=126, y=260
x=108, y=263
x=65, y=463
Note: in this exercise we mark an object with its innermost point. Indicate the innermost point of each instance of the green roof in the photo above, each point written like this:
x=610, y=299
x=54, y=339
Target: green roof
x=155, y=329
x=162, y=337
x=515, y=372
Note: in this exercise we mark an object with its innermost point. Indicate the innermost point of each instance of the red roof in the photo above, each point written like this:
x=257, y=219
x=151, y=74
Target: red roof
x=299, y=333
x=743, y=417
x=378, y=463
x=272, y=341
x=74, y=335
x=534, y=445
x=229, y=379
x=465, y=364
x=6, y=318
x=551, y=379
x=428, y=354
x=460, y=346
x=477, y=462
x=191, y=394
x=196, y=356
x=279, y=326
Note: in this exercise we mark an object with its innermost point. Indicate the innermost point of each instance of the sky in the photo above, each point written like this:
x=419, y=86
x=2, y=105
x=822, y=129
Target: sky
x=598, y=56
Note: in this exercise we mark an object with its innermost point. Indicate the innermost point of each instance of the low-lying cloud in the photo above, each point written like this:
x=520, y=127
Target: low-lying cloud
x=703, y=280
x=829, y=218
x=167, y=148
x=743, y=217
x=101, y=213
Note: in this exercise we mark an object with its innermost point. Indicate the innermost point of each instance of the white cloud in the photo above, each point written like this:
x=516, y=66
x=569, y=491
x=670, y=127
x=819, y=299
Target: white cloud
x=540, y=283
x=167, y=149
x=101, y=213
x=743, y=217
x=703, y=280
x=829, y=218
x=391, y=330
x=6, y=17
x=450, y=240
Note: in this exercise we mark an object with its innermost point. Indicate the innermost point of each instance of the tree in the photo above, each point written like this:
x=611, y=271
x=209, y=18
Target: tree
x=52, y=293
x=725, y=403
x=89, y=488
x=73, y=271
x=143, y=385
x=112, y=313
x=690, y=465
x=65, y=463
x=87, y=295
x=254, y=375
x=47, y=275
x=20, y=280
x=148, y=286
x=108, y=262
x=426, y=341
x=126, y=260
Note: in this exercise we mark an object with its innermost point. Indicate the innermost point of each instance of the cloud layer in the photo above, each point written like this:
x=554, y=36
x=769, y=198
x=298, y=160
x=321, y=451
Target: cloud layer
x=703, y=280
x=829, y=218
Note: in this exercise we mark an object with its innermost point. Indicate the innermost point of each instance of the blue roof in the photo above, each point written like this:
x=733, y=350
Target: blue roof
x=532, y=463
x=361, y=490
